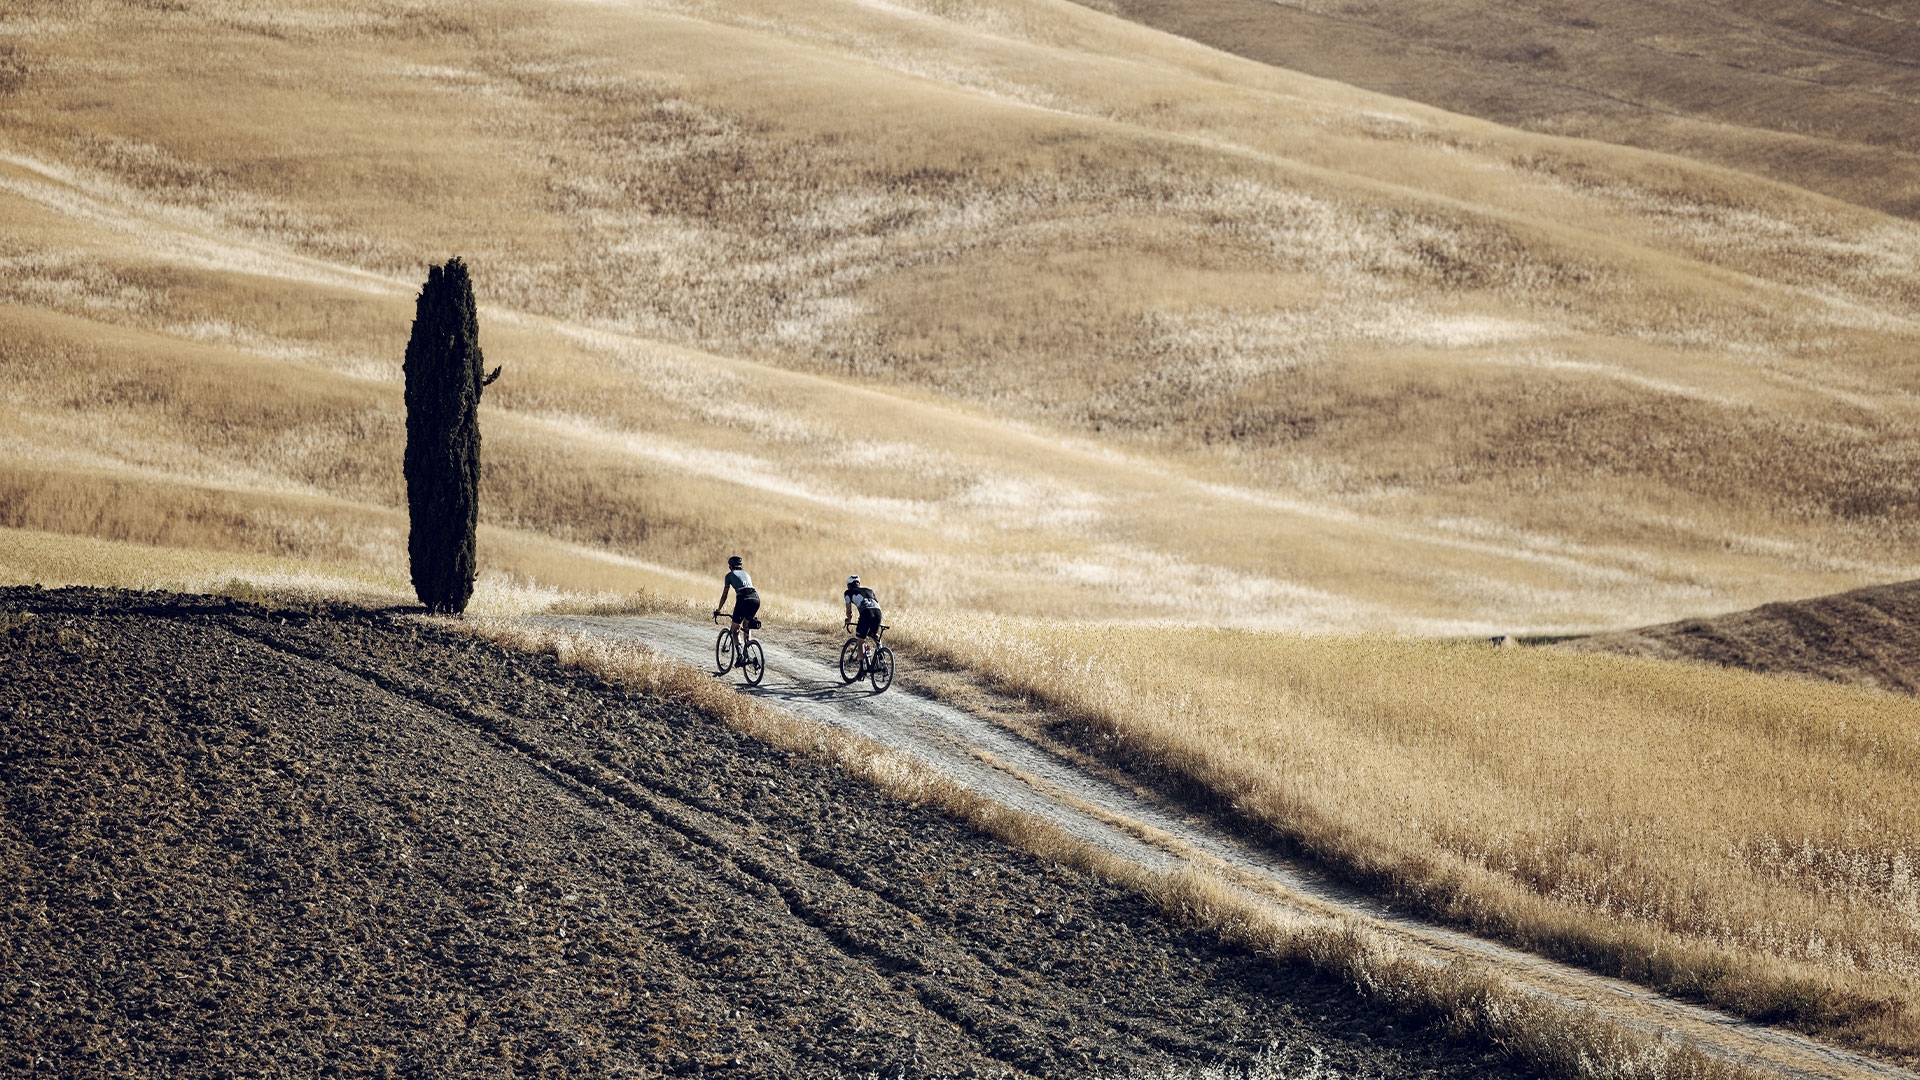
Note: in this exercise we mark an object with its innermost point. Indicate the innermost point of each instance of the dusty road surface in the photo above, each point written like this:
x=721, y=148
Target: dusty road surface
x=802, y=676
x=327, y=842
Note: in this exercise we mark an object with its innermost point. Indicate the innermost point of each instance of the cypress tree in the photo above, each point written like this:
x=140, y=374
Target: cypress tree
x=444, y=381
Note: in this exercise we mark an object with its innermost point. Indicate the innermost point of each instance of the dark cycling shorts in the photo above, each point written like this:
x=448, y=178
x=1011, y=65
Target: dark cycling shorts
x=869, y=622
x=746, y=606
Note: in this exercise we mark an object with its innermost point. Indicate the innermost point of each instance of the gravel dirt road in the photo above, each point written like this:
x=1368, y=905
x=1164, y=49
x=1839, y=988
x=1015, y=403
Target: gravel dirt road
x=331, y=842
x=802, y=676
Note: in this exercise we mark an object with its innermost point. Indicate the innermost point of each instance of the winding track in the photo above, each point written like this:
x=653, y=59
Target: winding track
x=996, y=762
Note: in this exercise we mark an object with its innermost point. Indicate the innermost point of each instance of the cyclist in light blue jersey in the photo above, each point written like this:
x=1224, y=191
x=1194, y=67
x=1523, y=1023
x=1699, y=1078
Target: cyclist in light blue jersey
x=863, y=600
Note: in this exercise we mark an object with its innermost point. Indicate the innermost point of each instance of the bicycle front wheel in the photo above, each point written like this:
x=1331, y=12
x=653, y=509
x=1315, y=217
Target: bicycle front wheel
x=850, y=660
x=753, y=665
x=882, y=670
x=723, y=651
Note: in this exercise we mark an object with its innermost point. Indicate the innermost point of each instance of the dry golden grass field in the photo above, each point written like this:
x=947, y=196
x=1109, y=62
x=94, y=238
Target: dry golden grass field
x=1029, y=312
x=1748, y=840
x=1015, y=305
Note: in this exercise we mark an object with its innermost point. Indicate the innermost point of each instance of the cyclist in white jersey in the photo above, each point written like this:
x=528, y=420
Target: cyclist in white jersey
x=862, y=599
x=746, y=601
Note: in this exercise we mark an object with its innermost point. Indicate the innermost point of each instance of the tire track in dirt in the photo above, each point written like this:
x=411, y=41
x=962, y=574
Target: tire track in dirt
x=996, y=762
x=248, y=841
x=850, y=925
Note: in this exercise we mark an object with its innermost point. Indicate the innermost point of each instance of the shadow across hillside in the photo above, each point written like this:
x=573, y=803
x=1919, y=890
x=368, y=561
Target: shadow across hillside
x=1818, y=95
x=1867, y=637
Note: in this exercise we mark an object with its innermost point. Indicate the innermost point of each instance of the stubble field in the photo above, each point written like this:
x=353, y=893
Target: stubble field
x=1738, y=838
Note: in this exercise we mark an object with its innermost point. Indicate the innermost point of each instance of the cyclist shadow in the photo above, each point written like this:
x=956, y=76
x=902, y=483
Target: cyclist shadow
x=827, y=689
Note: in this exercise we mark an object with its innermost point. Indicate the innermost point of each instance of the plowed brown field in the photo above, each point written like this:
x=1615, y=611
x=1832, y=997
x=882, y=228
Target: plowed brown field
x=331, y=842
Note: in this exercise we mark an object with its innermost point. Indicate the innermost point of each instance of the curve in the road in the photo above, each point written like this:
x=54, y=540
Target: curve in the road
x=802, y=677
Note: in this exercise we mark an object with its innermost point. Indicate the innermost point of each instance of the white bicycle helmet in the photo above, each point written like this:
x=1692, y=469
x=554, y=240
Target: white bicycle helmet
x=852, y=580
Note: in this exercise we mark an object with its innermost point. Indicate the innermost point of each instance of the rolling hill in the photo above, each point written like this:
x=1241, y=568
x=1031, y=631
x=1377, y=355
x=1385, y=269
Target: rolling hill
x=1069, y=333
x=1014, y=305
x=1814, y=93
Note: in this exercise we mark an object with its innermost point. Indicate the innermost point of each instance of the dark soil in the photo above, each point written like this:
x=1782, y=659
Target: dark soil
x=1868, y=637
x=333, y=842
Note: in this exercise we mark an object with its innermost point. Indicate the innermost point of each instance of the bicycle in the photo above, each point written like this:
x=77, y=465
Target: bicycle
x=878, y=668
x=750, y=657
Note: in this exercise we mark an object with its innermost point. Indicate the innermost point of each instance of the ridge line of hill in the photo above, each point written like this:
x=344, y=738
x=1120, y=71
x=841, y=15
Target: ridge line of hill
x=1863, y=637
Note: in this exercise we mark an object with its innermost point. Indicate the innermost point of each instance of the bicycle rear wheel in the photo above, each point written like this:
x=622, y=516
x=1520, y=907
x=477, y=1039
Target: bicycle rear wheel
x=723, y=651
x=753, y=665
x=882, y=670
x=850, y=660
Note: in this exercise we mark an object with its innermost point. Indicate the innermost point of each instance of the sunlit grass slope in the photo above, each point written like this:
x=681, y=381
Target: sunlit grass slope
x=1747, y=839
x=1011, y=304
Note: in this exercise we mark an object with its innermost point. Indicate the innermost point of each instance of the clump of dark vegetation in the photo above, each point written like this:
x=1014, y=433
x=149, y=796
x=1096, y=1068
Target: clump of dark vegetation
x=445, y=378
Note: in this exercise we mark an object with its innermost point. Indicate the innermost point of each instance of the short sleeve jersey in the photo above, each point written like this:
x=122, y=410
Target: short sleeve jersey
x=740, y=580
x=861, y=599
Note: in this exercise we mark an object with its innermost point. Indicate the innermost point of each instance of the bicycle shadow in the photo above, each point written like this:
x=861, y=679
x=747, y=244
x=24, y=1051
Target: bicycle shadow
x=825, y=689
